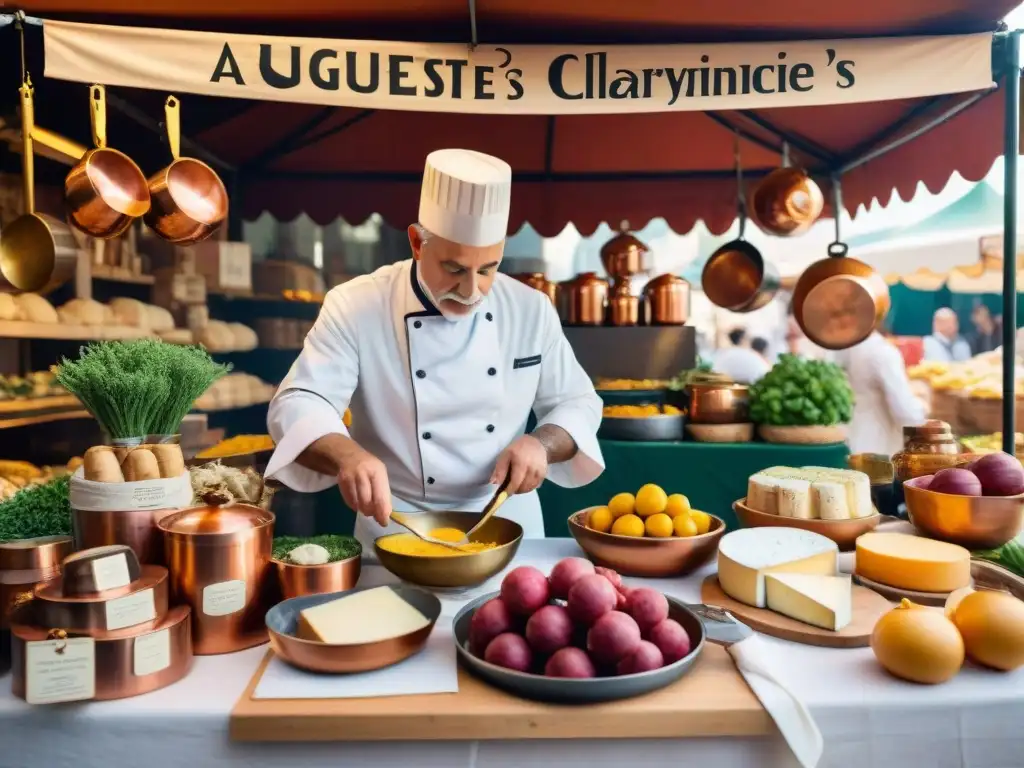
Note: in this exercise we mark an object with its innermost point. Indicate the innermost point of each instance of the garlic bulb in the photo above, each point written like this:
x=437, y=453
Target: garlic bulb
x=309, y=554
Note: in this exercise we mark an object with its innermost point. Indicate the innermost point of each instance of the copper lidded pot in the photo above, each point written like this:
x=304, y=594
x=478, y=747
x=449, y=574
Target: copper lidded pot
x=668, y=300
x=584, y=299
x=220, y=563
x=538, y=282
x=623, y=306
x=625, y=254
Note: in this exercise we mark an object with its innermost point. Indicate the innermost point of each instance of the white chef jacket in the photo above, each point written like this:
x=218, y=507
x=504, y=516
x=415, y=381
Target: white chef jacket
x=884, y=402
x=436, y=401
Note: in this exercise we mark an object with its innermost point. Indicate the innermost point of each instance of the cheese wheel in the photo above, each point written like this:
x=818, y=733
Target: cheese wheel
x=794, y=497
x=761, y=494
x=912, y=562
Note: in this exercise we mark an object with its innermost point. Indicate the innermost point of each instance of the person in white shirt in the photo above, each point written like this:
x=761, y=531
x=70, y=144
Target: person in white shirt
x=739, y=362
x=441, y=359
x=946, y=345
x=884, y=402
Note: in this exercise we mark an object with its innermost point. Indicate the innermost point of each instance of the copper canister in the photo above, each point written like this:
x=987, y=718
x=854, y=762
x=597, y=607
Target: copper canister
x=625, y=254
x=219, y=559
x=15, y=589
x=128, y=662
x=623, y=306
x=538, y=282
x=668, y=300
x=583, y=300
x=43, y=553
x=141, y=602
x=135, y=528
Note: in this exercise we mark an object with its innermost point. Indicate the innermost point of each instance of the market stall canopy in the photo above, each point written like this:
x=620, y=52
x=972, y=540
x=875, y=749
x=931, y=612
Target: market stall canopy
x=352, y=161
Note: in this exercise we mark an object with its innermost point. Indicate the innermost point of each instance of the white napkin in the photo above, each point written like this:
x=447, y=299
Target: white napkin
x=792, y=718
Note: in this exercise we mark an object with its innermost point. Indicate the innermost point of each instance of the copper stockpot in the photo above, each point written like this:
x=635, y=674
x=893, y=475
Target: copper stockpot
x=787, y=202
x=668, y=300
x=584, y=299
x=219, y=559
x=135, y=528
x=625, y=255
x=108, y=611
x=623, y=306
x=189, y=199
x=839, y=302
x=301, y=580
x=117, y=654
x=105, y=191
x=538, y=282
x=719, y=403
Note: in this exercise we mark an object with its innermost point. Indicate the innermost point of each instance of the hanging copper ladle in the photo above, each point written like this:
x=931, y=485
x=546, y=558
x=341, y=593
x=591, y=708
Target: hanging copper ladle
x=189, y=199
x=105, y=190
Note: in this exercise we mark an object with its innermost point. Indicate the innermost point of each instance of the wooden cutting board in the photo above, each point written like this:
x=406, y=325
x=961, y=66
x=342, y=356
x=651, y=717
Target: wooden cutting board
x=868, y=607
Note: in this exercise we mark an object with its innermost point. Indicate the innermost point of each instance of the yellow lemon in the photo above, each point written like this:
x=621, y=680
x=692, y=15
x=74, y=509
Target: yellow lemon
x=650, y=500
x=702, y=520
x=628, y=525
x=622, y=504
x=677, y=505
x=659, y=526
x=600, y=520
x=684, y=526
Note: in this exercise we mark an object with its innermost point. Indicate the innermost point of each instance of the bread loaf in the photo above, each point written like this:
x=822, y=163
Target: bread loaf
x=160, y=319
x=244, y=337
x=130, y=312
x=8, y=308
x=36, y=309
x=177, y=336
x=217, y=337
x=82, y=312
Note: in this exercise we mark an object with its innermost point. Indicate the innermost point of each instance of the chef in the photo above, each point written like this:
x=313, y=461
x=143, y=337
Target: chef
x=441, y=359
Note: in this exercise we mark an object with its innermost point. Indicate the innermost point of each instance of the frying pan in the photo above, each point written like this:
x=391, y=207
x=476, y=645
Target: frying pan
x=189, y=199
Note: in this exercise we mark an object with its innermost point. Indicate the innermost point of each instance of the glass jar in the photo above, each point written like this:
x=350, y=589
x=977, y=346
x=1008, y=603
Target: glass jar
x=927, y=449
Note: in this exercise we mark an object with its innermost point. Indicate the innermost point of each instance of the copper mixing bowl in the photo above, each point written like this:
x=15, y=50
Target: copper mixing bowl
x=719, y=403
x=843, y=532
x=642, y=556
x=974, y=522
x=301, y=580
x=455, y=571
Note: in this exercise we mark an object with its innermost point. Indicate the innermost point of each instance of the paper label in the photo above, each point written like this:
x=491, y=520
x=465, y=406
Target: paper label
x=152, y=653
x=224, y=598
x=235, y=266
x=60, y=670
x=131, y=610
x=111, y=572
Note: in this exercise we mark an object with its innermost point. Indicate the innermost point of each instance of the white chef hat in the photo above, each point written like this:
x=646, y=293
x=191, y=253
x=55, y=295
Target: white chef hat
x=465, y=196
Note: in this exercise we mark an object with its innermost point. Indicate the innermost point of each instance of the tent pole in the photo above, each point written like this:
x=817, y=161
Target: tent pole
x=1011, y=149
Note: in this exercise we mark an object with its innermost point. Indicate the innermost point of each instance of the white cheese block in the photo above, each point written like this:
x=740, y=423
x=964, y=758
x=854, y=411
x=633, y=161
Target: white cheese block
x=859, y=488
x=364, y=617
x=821, y=601
x=761, y=494
x=746, y=555
x=830, y=500
x=794, y=498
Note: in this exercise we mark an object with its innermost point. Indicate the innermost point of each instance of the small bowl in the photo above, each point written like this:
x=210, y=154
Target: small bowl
x=302, y=580
x=642, y=556
x=359, y=657
x=842, y=532
x=719, y=403
x=458, y=571
x=662, y=428
x=974, y=522
x=721, y=433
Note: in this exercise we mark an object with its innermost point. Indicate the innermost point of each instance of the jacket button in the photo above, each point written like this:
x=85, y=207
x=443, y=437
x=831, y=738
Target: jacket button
x=492, y=371
x=490, y=427
x=489, y=316
x=421, y=374
x=430, y=481
x=426, y=435
x=417, y=324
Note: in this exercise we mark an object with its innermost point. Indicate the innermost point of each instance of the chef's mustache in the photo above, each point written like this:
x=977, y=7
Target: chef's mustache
x=467, y=302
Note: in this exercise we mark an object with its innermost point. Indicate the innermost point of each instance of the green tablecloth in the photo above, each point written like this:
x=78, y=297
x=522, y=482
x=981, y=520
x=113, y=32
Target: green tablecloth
x=711, y=475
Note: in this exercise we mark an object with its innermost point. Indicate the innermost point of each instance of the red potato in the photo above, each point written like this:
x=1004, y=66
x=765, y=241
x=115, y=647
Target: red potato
x=956, y=482
x=645, y=658
x=549, y=629
x=489, y=620
x=570, y=662
x=566, y=573
x=509, y=651
x=525, y=590
x=648, y=607
x=591, y=598
x=611, y=575
x=613, y=637
x=1000, y=474
x=621, y=601
x=671, y=639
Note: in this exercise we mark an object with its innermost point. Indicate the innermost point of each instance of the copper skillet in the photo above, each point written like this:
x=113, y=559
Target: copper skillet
x=105, y=191
x=189, y=199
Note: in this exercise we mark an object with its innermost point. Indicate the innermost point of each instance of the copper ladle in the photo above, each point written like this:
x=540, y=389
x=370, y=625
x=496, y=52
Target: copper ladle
x=105, y=191
x=189, y=199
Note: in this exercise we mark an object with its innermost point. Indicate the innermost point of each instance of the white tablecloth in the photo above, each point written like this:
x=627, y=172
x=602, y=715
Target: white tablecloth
x=868, y=719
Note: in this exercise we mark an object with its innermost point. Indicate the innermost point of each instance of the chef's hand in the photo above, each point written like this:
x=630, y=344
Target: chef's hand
x=363, y=482
x=525, y=463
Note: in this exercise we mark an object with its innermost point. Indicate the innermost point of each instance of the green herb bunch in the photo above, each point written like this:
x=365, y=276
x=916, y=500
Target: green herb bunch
x=39, y=510
x=138, y=388
x=1010, y=555
x=801, y=392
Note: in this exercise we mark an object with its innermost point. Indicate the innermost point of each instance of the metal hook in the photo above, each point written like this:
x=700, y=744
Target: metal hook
x=741, y=200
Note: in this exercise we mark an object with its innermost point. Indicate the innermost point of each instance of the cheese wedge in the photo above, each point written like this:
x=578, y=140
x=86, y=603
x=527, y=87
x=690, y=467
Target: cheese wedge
x=761, y=494
x=747, y=555
x=821, y=601
x=363, y=617
x=912, y=562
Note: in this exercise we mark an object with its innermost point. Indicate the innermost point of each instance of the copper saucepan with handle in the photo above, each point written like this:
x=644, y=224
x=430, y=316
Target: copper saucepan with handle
x=189, y=199
x=105, y=191
x=787, y=201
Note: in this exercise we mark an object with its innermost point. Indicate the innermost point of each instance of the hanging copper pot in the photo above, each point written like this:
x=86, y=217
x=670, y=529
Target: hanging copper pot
x=583, y=300
x=667, y=299
x=538, y=282
x=625, y=255
x=623, y=306
x=787, y=202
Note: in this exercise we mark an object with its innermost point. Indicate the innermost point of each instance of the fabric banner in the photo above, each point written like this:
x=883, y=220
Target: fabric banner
x=518, y=79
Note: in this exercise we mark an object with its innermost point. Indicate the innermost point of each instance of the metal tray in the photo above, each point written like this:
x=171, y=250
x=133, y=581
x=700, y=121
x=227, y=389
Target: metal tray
x=558, y=690
x=665, y=428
